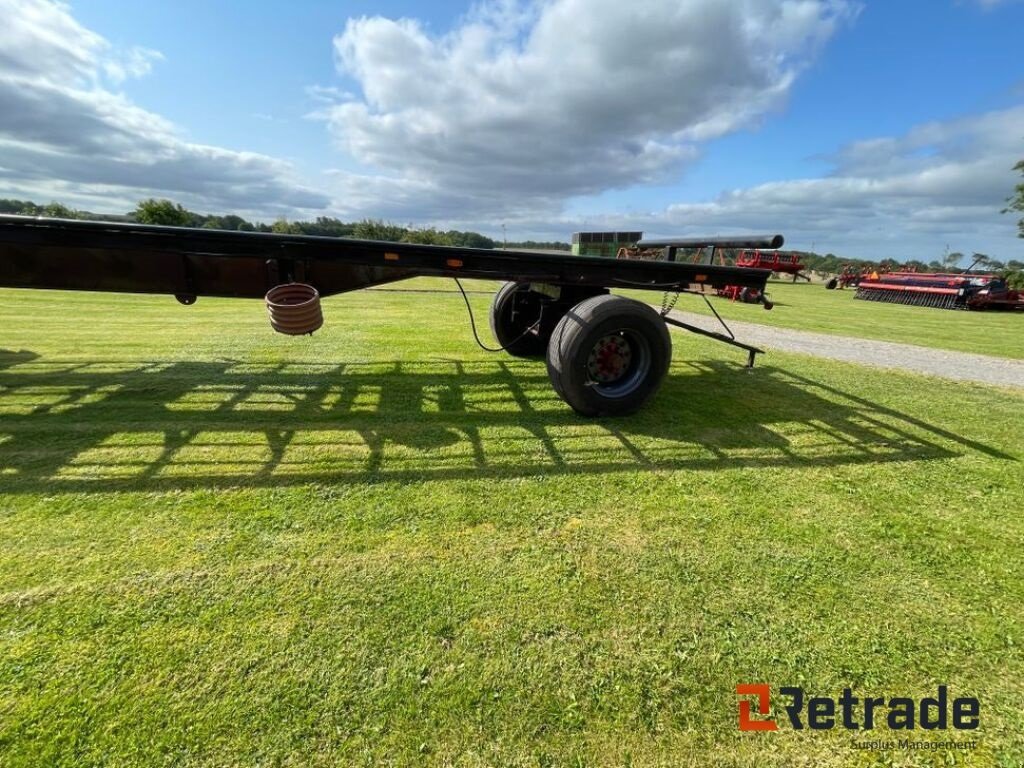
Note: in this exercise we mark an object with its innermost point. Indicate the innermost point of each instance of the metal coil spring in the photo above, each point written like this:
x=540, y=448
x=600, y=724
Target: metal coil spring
x=668, y=302
x=294, y=309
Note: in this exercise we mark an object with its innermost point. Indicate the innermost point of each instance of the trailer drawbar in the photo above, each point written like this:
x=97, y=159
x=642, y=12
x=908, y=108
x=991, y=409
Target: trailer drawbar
x=606, y=354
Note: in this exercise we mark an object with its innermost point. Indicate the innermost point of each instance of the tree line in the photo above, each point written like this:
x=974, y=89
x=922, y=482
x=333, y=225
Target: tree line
x=952, y=262
x=169, y=213
x=173, y=214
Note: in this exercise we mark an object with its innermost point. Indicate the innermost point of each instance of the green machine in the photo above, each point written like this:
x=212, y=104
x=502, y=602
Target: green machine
x=603, y=243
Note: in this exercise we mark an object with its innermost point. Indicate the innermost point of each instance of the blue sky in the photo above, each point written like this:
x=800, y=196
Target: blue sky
x=863, y=128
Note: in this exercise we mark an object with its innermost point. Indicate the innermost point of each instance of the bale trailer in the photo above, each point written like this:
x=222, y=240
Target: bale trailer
x=606, y=354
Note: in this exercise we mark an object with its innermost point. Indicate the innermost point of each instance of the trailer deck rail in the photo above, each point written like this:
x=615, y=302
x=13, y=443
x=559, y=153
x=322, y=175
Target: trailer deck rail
x=605, y=354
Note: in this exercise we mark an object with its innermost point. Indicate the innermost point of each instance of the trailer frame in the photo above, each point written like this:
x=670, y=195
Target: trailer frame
x=559, y=301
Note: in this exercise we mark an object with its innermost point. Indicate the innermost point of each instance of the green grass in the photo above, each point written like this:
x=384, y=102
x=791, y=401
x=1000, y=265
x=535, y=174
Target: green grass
x=382, y=545
x=809, y=307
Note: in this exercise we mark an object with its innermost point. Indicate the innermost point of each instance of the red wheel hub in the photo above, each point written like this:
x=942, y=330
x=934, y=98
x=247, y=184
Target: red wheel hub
x=609, y=359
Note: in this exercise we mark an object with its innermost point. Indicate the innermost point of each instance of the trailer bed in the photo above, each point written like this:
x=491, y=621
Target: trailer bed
x=100, y=256
x=606, y=354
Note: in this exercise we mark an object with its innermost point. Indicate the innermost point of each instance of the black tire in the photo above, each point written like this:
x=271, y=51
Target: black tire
x=750, y=296
x=608, y=355
x=512, y=314
x=831, y=284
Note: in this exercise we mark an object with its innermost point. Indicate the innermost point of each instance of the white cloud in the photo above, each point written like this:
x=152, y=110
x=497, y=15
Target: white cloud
x=132, y=63
x=40, y=39
x=65, y=134
x=522, y=106
x=518, y=109
x=327, y=94
x=940, y=183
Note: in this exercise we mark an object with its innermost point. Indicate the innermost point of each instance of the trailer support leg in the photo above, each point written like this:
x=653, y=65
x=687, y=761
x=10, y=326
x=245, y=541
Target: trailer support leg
x=752, y=351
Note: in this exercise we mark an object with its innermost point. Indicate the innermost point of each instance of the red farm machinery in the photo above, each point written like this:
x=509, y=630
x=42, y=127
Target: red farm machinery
x=849, y=277
x=774, y=261
x=767, y=259
x=939, y=290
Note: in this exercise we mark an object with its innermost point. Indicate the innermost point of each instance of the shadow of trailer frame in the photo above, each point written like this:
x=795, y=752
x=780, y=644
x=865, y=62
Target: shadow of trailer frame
x=161, y=425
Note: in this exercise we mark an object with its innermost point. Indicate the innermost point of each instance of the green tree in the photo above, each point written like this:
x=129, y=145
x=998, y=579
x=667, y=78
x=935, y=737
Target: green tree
x=164, y=212
x=58, y=211
x=469, y=239
x=987, y=262
x=375, y=229
x=325, y=226
x=828, y=264
x=428, y=236
x=20, y=207
x=951, y=260
x=284, y=227
x=27, y=208
x=1016, y=202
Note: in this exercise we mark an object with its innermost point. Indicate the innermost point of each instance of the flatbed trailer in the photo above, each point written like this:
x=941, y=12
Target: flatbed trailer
x=606, y=354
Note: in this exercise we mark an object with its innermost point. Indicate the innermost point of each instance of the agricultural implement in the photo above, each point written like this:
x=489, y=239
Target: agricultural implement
x=606, y=354
x=943, y=291
x=774, y=261
x=850, y=276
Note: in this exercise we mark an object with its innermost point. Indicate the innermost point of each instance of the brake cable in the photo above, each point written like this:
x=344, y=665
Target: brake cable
x=476, y=336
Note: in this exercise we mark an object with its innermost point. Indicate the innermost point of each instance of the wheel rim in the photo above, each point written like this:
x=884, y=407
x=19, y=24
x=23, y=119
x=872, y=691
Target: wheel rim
x=618, y=363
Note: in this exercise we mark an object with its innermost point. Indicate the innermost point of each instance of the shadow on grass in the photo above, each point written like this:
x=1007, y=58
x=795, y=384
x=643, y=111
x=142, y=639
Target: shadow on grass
x=8, y=359
x=128, y=425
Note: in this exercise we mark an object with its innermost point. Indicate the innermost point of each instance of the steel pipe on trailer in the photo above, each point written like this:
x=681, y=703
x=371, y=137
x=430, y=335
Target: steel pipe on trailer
x=671, y=245
x=768, y=242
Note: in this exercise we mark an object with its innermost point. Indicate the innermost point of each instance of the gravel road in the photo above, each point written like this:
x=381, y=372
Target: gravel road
x=961, y=366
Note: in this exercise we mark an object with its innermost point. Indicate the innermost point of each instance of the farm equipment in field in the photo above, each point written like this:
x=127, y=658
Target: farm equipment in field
x=773, y=261
x=776, y=261
x=606, y=354
x=782, y=263
x=850, y=276
x=942, y=291
x=641, y=254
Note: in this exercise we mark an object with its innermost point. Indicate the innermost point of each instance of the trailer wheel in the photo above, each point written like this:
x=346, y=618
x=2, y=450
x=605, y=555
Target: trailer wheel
x=608, y=355
x=514, y=310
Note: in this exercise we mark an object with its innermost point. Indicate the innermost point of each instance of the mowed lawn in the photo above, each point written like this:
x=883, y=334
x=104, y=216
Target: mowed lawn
x=381, y=545
x=809, y=307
